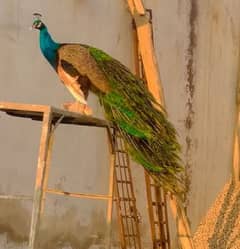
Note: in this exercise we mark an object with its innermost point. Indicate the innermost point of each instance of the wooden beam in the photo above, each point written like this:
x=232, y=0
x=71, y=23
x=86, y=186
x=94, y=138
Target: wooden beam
x=144, y=32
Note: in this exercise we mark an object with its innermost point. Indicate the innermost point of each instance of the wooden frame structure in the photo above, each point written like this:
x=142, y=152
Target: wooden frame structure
x=120, y=179
x=150, y=68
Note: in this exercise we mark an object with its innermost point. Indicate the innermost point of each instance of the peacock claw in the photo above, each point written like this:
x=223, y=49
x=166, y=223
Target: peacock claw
x=78, y=107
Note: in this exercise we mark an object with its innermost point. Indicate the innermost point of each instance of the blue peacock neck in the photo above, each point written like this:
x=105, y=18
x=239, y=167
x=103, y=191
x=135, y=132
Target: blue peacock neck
x=48, y=46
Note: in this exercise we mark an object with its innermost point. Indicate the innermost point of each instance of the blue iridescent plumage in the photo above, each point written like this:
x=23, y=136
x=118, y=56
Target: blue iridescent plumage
x=48, y=47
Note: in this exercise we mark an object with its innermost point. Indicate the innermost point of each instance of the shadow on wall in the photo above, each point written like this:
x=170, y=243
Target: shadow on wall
x=56, y=232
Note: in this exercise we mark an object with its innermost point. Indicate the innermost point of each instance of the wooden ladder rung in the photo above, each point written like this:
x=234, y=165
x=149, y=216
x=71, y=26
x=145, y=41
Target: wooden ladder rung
x=161, y=242
x=126, y=199
x=153, y=185
x=160, y=223
x=129, y=216
x=126, y=182
x=158, y=203
x=121, y=166
x=121, y=151
x=130, y=235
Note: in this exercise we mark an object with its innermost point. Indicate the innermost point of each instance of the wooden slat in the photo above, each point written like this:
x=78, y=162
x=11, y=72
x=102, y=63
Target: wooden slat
x=16, y=197
x=78, y=195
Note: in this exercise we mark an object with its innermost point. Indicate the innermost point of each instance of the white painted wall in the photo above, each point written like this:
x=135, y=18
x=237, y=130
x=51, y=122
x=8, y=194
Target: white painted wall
x=79, y=160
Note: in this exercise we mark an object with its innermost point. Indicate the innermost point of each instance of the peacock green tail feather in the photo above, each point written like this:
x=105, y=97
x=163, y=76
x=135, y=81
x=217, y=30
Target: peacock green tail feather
x=150, y=138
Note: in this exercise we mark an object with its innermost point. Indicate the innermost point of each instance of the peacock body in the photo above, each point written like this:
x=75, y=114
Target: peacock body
x=150, y=138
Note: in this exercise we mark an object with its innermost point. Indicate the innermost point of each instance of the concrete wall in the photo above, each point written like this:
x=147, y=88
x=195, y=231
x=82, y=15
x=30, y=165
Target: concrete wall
x=197, y=49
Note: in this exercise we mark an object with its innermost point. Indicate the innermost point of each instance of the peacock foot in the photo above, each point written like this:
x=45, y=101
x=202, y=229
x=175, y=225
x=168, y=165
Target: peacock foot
x=78, y=107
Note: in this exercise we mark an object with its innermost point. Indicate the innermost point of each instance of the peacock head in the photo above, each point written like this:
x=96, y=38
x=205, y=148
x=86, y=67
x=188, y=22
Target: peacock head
x=37, y=23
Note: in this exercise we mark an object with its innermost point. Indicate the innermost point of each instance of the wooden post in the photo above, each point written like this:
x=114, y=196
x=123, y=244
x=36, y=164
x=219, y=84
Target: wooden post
x=53, y=127
x=236, y=143
x=110, y=189
x=47, y=169
x=150, y=210
x=147, y=53
x=41, y=167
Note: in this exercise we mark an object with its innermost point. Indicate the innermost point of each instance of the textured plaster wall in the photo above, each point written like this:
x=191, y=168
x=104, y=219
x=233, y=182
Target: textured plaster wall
x=197, y=49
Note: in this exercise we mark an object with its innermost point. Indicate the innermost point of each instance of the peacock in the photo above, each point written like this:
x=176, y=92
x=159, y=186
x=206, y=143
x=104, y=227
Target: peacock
x=150, y=138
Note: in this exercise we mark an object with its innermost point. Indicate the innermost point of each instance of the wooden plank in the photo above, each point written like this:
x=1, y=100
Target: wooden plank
x=36, y=112
x=20, y=106
x=38, y=192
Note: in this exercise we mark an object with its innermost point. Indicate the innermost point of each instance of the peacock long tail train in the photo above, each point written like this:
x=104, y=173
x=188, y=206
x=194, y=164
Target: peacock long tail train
x=150, y=138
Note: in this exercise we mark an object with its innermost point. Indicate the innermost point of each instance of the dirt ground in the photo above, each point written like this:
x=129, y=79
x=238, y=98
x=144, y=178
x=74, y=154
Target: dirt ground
x=220, y=227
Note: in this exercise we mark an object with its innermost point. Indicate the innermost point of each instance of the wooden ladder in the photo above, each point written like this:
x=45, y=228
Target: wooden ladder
x=158, y=215
x=128, y=217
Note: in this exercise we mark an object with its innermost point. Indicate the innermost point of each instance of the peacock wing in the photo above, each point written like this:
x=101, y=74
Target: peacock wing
x=77, y=61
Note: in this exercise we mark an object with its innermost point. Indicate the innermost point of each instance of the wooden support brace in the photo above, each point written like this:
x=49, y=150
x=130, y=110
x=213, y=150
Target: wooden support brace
x=144, y=33
x=110, y=189
x=41, y=167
